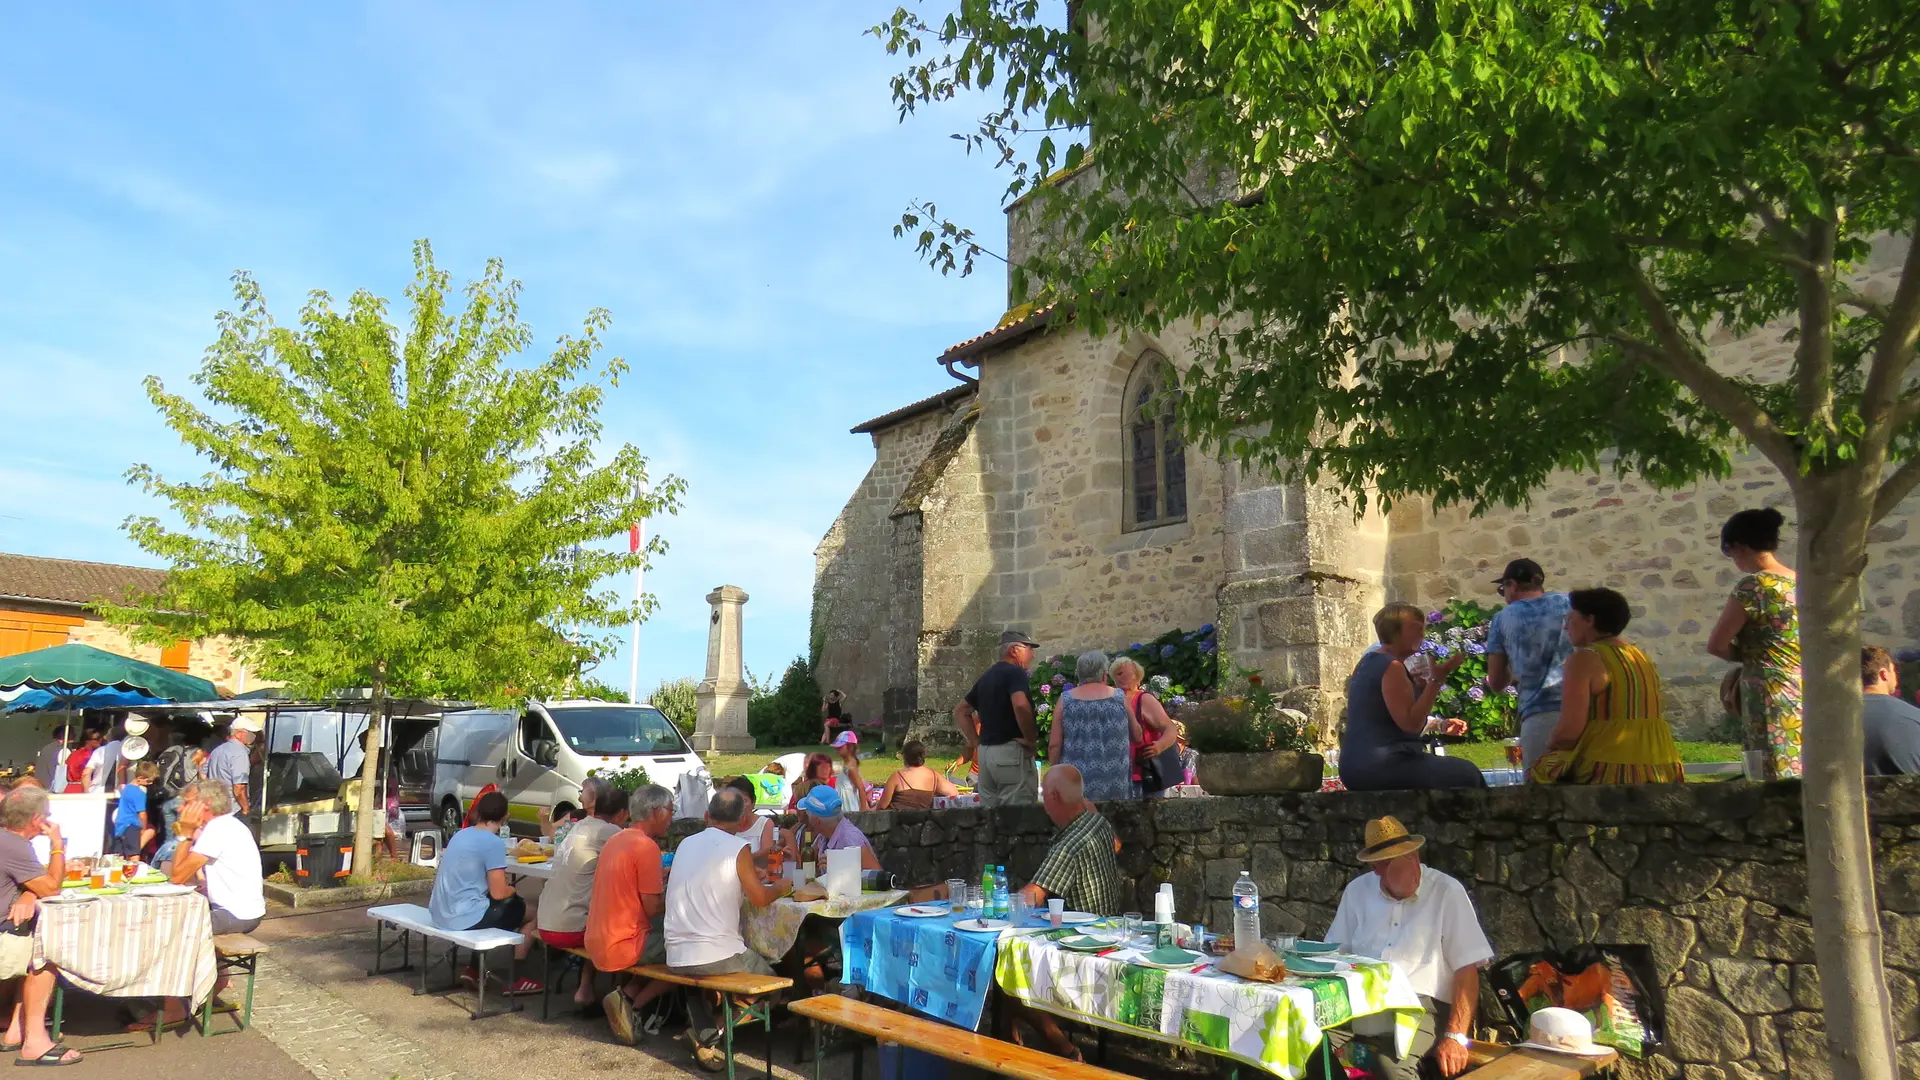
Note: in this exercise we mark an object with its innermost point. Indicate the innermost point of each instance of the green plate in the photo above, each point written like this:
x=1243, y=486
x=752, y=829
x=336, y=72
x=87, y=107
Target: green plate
x=1083, y=943
x=1307, y=948
x=1168, y=956
x=148, y=879
x=1300, y=965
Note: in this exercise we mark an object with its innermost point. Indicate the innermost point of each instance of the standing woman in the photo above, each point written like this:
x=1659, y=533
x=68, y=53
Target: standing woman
x=1093, y=732
x=1157, y=732
x=1760, y=630
x=833, y=716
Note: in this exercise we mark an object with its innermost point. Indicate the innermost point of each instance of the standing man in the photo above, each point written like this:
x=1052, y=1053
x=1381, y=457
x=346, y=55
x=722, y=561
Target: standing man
x=46, y=768
x=1421, y=921
x=230, y=762
x=997, y=719
x=103, y=768
x=1526, y=648
x=1892, y=725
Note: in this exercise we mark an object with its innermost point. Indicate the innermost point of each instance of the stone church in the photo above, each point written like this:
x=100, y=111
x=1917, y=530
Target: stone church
x=1035, y=493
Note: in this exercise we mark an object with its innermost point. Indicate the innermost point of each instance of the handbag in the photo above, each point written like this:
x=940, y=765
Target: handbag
x=1158, y=772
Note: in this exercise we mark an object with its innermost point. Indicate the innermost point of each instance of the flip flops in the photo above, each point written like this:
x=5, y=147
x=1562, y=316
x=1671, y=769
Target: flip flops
x=55, y=1057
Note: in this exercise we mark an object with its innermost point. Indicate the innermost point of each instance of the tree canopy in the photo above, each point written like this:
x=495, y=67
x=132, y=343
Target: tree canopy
x=412, y=510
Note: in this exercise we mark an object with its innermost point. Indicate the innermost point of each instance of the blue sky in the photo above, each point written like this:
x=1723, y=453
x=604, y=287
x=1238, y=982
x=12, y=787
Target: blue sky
x=724, y=178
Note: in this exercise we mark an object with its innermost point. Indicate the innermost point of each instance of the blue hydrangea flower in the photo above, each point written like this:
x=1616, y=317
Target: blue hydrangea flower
x=1208, y=647
x=1061, y=680
x=1135, y=647
x=1513, y=691
x=1179, y=699
x=1205, y=628
x=1476, y=649
x=1476, y=694
x=1067, y=688
x=1437, y=617
x=1166, y=651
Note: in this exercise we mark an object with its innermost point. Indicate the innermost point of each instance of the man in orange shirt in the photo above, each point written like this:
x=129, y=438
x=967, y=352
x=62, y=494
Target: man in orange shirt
x=625, y=927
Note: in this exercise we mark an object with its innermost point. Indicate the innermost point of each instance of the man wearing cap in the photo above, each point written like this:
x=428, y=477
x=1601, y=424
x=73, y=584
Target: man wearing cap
x=997, y=719
x=1421, y=921
x=1526, y=648
x=229, y=762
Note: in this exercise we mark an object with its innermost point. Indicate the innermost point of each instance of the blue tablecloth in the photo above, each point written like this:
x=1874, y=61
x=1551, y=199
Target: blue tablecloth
x=924, y=964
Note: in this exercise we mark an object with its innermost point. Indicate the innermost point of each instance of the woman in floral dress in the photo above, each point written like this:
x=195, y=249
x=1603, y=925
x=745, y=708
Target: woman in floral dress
x=1760, y=630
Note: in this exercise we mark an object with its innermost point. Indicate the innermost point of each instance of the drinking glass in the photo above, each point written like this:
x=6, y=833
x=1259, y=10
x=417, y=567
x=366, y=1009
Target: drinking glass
x=976, y=902
x=116, y=873
x=1286, y=943
x=1130, y=923
x=1022, y=911
x=99, y=878
x=956, y=895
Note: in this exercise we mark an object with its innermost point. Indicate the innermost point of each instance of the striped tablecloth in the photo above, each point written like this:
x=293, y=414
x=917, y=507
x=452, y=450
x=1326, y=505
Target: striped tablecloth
x=131, y=946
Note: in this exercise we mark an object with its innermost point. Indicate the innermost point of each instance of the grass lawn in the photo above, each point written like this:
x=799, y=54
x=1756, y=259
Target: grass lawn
x=874, y=770
x=1494, y=755
x=1490, y=755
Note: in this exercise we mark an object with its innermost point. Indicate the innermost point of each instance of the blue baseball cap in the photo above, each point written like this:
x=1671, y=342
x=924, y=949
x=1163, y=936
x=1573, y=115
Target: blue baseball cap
x=822, y=800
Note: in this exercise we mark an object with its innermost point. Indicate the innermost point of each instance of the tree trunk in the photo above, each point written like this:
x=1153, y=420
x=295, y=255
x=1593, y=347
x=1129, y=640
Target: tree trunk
x=371, y=809
x=1834, y=513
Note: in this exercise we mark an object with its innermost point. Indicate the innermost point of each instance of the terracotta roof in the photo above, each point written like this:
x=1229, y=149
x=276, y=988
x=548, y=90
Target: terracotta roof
x=70, y=581
x=1016, y=324
x=907, y=412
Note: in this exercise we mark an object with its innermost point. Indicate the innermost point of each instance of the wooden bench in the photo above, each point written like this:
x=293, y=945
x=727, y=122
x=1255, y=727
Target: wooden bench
x=411, y=919
x=940, y=1040
x=1495, y=1061
x=233, y=954
x=730, y=987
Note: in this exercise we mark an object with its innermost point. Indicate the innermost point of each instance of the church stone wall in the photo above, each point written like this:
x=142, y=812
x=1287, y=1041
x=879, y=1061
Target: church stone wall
x=853, y=565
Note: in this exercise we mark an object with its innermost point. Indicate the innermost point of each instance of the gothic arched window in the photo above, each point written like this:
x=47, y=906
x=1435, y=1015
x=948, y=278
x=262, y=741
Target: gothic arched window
x=1156, y=458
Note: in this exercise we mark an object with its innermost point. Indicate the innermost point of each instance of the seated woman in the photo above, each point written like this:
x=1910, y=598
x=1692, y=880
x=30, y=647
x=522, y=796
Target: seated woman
x=1613, y=726
x=1381, y=750
x=915, y=786
x=818, y=770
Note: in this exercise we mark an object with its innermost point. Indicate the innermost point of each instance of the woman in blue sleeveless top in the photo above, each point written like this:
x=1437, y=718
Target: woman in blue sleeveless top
x=1381, y=748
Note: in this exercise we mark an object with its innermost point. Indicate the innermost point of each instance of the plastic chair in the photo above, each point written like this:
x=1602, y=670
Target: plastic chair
x=421, y=841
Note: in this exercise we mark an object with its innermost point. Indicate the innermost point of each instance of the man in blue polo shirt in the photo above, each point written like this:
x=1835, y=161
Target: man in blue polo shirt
x=1526, y=647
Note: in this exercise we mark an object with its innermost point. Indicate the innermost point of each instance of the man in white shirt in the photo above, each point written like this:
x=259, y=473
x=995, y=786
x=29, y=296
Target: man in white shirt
x=219, y=851
x=103, y=768
x=712, y=870
x=1421, y=921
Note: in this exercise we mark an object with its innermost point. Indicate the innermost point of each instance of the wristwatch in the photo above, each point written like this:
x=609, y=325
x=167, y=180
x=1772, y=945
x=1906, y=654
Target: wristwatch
x=1461, y=1038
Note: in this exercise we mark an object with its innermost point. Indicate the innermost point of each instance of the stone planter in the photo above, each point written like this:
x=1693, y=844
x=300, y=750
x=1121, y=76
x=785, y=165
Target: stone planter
x=1264, y=773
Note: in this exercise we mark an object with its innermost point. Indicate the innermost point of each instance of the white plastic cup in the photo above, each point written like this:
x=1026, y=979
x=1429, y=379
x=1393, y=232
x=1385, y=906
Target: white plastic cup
x=797, y=875
x=1056, y=911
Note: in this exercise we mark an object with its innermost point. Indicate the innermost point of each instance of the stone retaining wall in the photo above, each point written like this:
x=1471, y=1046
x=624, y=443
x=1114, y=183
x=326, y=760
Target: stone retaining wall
x=1712, y=875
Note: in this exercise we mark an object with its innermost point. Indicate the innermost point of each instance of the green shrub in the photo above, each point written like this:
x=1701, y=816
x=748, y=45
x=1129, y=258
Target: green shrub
x=628, y=780
x=676, y=701
x=1462, y=625
x=789, y=714
x=1179, y=664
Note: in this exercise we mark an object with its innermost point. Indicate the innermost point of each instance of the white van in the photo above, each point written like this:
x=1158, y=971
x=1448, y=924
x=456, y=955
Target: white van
x=541, y=755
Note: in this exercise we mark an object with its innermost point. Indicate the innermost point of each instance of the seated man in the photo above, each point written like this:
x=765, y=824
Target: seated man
x=1892, y=725
x=23, y=816
x=562, y=914
x=218, y=850
x=712, y=871
x=1422, y=921
x=1080, y=867
x=625, y=916
x=824, y=812
x=470, y=890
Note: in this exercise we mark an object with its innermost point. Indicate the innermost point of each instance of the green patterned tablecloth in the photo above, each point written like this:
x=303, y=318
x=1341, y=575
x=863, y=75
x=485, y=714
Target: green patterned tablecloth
x=772, y=930
x=1273, y=1026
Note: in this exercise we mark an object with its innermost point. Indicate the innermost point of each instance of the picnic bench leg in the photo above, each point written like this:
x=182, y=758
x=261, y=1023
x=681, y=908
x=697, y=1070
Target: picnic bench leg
x=819, y=1046
x=766, y=1018
x=60, y=1010
x=375, y=969
x=480, y=999
x=726, y=1010
x=253, y=968
x=546, y=982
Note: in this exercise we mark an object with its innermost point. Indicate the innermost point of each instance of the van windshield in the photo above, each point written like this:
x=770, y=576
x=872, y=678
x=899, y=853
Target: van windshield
x=610, y=732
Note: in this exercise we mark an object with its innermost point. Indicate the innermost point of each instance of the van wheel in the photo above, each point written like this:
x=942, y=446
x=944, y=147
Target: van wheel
x=449, y=819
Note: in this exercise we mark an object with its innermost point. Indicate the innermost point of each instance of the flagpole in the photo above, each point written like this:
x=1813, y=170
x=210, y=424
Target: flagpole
x=636, y=540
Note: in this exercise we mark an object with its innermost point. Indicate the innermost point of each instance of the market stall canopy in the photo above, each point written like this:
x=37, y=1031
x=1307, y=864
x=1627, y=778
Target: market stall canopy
x=107, y=697
x=73, y=672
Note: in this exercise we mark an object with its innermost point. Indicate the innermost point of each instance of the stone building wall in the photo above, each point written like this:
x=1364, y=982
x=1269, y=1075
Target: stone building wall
x=1712, y=876
x=853, y=566
x=212, y=659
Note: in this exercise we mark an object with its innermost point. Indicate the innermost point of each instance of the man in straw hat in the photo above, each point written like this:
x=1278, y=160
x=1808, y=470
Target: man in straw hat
x=1422, y=922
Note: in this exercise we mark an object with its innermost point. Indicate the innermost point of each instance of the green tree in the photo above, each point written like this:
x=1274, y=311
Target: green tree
x=787, y=714
x=675, y=698
x=412, y=512
x=1442, y=249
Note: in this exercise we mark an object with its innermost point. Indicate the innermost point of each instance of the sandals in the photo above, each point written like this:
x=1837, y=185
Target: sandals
x=55, y=1056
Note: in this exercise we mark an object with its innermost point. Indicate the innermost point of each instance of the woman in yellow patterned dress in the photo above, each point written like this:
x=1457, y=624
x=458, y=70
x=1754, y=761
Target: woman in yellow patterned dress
x=1760, y=630
x=1613, y=726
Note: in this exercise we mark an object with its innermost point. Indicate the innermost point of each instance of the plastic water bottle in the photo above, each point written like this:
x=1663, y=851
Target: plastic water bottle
x=1246, y=911
x=986, y=892
x=1002, y=897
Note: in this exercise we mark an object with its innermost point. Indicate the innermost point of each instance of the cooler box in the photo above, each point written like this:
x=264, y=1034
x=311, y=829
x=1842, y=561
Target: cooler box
x=323, y=860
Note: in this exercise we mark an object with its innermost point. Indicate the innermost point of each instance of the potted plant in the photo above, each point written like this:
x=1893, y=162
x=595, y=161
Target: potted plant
x=1251, y=746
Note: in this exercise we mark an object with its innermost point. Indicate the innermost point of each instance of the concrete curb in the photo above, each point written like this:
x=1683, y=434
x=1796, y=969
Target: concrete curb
x=305, y=899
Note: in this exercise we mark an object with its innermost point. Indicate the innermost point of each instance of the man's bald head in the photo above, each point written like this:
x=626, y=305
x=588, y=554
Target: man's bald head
x=1066, y=782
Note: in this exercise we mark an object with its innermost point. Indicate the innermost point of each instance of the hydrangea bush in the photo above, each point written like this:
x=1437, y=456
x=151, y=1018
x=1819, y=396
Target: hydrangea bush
x=1462, y=626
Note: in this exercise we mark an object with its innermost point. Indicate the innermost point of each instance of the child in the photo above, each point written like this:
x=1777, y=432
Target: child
x=132, y=829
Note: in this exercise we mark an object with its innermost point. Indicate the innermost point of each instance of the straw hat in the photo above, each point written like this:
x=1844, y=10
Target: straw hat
x=133, y=748
x=1388, y=839
x=1563, y=1031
